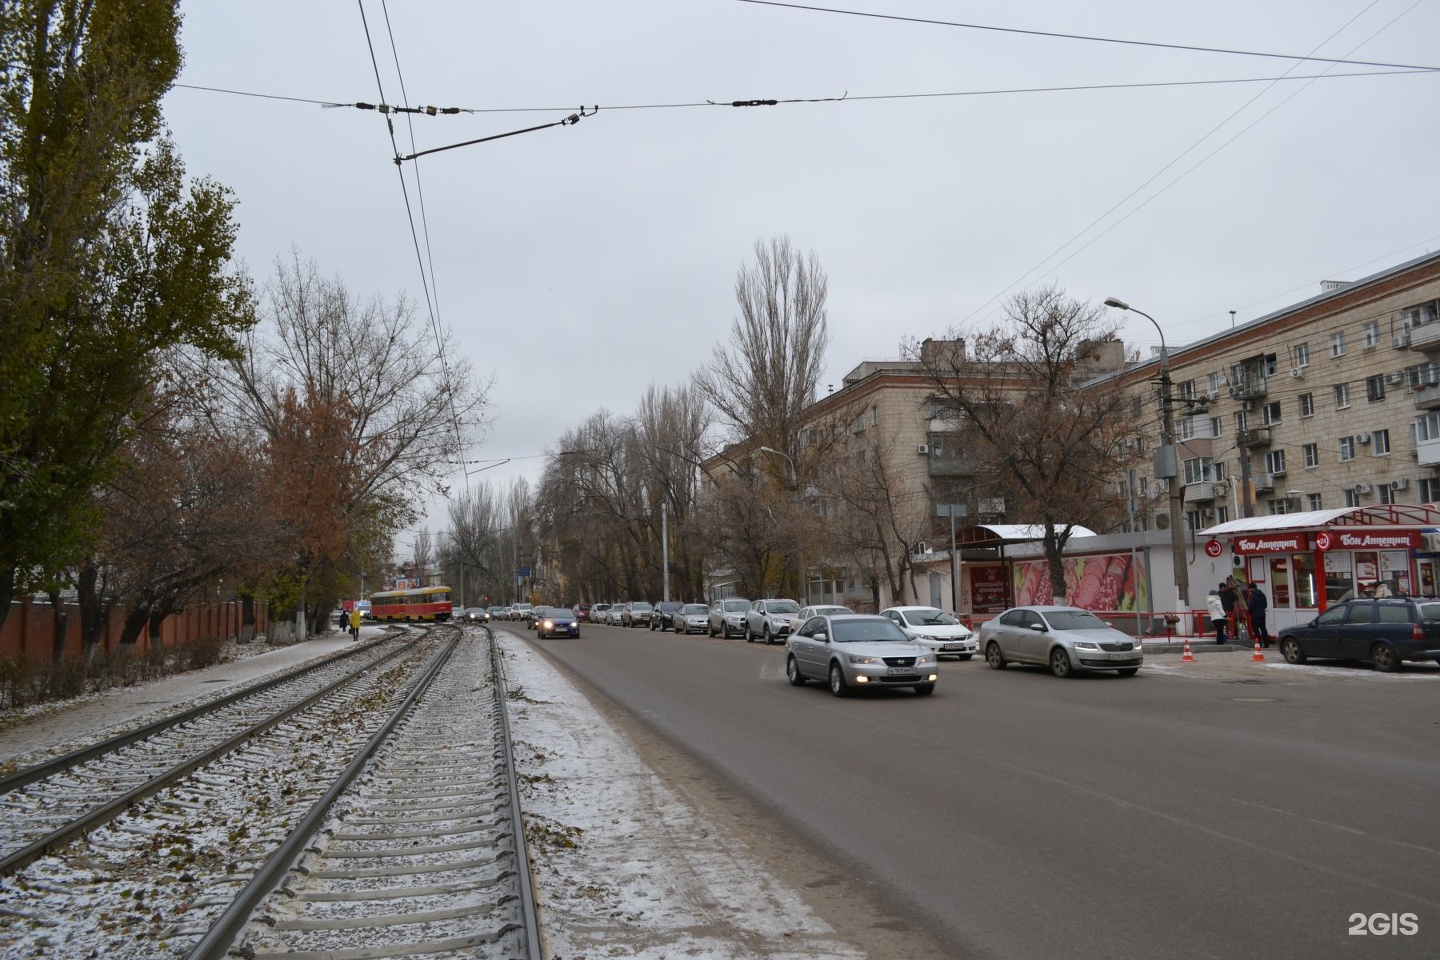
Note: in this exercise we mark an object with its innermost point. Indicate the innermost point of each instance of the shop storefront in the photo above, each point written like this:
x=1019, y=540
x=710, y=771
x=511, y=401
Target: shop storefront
x=1306, y=561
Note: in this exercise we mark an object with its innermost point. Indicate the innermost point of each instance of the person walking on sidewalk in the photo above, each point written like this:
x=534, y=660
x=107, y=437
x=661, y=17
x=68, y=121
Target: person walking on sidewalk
x=1256, y=603
x=1217, y=614
x=355, y=623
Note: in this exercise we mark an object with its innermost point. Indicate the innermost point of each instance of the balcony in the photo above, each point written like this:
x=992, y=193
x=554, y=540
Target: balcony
x=1250, y=386
x=1427, y=452
x=1426, y=395
x=1253, y=437
x=952, y=466
x=1203, y=491
x=1425, y=337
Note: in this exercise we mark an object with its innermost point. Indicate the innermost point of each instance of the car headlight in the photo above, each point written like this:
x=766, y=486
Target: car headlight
x=1086, y=645
x=856, y=658
x=927, y=637
x=927, y=658
x=548, y=625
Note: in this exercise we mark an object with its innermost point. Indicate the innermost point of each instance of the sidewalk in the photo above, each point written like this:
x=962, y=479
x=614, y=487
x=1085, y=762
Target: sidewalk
x=89, y=717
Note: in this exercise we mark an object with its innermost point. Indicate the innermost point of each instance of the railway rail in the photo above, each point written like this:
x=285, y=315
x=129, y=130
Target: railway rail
x=385, y=826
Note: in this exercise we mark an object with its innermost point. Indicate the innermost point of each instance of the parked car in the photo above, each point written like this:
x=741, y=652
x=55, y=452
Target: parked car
x=662, y=618
x=616, y=615
x=727, y=616
x=497, y=612
x=1067, y=639
x=581, y=611
x=692, y=618
x=636, y=613
x=769, y=620
x=820, y=610
x=556, y=621
x=1385, y=632
x=856, y=650
x=936, y=629
x=598, y=612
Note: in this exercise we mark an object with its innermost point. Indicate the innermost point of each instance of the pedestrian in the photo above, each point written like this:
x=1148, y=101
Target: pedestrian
x=1228, y=602
x=1217, y=614
x=354, y=623
x=1255, y=604
x=1382, y=590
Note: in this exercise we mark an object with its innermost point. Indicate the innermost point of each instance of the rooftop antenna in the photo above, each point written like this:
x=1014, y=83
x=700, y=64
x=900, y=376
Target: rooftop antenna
x=1232, y=319
x=829, y=388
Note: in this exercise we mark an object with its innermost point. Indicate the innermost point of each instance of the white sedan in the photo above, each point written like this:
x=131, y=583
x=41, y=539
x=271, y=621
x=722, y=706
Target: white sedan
x=936, y=630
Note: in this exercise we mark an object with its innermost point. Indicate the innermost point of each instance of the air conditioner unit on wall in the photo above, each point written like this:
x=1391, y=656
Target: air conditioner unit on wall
x=1395, y=378
x=1400, y=484
x=923, y=449
x=1247, y=405
x=1297, y=372
x=1162, y=521
x=1362, y=438
x=1362, y=487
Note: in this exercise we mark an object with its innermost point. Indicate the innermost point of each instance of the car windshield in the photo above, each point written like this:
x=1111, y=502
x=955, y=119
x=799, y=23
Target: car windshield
x=783, y=606
x=736, y=606
x=867, y=631
x=1074, y=620
x=695, y=608
x=930, y=617
x=642, y=605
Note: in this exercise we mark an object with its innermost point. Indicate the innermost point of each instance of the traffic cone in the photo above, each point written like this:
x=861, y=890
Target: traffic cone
x=1257, y=656
x=1186, y=656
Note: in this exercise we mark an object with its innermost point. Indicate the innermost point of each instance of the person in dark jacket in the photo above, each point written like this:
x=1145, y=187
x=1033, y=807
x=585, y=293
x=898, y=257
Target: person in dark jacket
x=1256, y=603
x=1228, y=602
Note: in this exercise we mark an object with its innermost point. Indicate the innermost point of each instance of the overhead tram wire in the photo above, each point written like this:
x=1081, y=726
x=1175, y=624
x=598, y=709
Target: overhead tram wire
x=1045, y=262
x=1087, y=38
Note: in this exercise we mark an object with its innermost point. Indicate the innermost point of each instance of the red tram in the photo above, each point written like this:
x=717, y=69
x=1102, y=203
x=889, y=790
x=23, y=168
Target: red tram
x=420, y=603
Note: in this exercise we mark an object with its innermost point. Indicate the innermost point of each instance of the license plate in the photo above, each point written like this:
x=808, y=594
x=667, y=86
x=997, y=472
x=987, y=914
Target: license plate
x=1122, y=656
x=900, y=672
x=954, y=646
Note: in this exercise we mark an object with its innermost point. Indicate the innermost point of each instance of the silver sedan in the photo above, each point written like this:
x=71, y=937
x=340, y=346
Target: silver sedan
x=1066, y=639
x=858, y=651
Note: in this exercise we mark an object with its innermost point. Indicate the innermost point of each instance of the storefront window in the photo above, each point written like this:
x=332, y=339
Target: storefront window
x=1395, y=570
x=1338, y=575
x=1302, y=567
x=1279, y=582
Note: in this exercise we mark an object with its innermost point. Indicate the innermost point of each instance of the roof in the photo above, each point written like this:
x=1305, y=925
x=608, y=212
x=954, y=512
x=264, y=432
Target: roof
x=1380, y=515
x=1028, y=531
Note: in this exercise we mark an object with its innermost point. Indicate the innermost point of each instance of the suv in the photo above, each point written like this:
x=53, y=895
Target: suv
x=636, y=614
x=664, y=616
x=727, y=616
x=770, y=620
x=1385, y=632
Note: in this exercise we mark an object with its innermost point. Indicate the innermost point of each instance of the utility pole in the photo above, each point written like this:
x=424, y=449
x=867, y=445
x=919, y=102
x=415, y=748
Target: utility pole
x=665, y=545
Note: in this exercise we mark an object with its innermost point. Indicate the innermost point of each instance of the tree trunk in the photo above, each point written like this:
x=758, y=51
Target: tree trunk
x=7, y=594
x=60, y=623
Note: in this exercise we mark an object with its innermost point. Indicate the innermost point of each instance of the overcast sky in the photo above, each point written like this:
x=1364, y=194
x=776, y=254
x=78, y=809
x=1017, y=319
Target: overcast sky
x=609, y=249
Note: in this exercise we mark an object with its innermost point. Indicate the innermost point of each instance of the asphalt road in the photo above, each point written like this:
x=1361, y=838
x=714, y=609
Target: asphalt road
x=1221, y=809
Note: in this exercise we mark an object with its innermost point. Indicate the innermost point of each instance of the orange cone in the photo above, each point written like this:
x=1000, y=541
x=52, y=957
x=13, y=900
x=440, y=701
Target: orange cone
x=1257, y=656
x=1186, y=656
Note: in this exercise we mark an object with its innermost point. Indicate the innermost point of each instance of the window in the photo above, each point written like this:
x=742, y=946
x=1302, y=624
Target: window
x=1278, y=507
x=1200, y=469
x=1217, y=426
x=1270, y=364
x=1337, y=344
x=1185, y=429
x=1311, y=452
x=1342, y=396
x=1422, y=375
x=1240, y=421
x=1347, y=449
x=1275, y=461
x=1212, y=383
x=1270, y=413
x=1314, y=501
x=1379, y=443
x=1185, y=390
x=1429, y=489
x=1371, y=334
x=1427, y=427
x=1384, y=494
x=1307, y=404
x=1222, y=514
x=1352, y=499
x=1375, y=387
x=875, y=414
x=1302, y=355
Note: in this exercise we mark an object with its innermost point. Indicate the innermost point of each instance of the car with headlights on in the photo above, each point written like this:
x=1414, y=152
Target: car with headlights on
x=556, y=621
x=692, y=618
x=1068, y=640
x=477, y=614
x=662, y=618
x=770, y=620
x=935, y=629
x=857, y=651
x=727, y=616
x=1385, y=632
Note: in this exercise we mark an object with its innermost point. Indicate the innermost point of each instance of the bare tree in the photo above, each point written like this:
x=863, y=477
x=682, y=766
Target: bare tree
x=1038, y=439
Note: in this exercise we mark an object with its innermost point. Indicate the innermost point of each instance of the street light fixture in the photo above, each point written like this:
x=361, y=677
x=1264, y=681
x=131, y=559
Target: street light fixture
x=1166, y=463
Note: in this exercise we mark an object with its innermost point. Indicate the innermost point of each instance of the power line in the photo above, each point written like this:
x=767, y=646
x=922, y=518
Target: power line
x=1083, y=37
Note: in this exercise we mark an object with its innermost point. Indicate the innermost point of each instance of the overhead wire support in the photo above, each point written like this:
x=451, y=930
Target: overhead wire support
x=571, y=120
x=388, y=108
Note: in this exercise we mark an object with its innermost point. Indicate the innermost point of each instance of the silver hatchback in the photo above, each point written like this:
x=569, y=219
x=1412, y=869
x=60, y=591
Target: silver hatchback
x=1066, y=639
x=858, y=651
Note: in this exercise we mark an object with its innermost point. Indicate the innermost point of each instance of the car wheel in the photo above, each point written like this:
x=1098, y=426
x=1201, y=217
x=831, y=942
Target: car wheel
x=838, y=686
x=1060, y=663
x=768, y=638
x=1384, y=658
x=792, y=672
x=749, y=637
x=711, y=629
x=1128, y=671
x=964, y=656
x=1291, y=650
x=924, y=689
x=994, y=657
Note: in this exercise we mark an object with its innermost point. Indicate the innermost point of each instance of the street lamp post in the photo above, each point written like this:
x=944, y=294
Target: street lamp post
x=1167, y=460
x=799, y=562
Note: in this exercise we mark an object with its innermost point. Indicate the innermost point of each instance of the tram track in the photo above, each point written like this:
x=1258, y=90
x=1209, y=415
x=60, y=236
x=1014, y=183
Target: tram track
x=416, y=841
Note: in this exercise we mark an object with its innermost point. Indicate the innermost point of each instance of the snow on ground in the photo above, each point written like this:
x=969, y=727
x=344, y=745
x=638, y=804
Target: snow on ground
x=624, y=866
